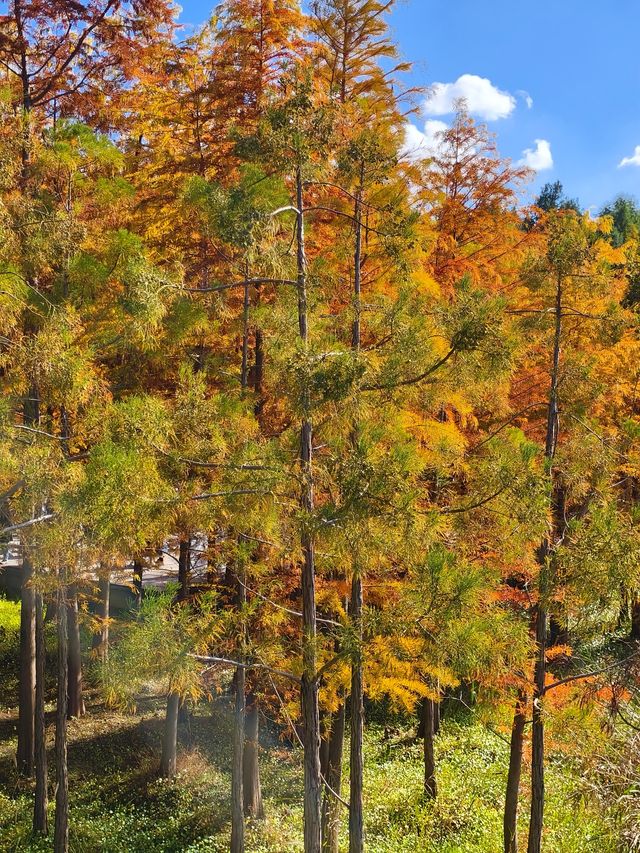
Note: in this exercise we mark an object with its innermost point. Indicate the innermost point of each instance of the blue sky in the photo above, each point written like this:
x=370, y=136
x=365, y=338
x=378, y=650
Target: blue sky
x=577, y=60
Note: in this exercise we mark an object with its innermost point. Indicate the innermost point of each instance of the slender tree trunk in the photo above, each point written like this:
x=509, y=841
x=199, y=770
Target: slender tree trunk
x=184, y=568
x=170, y=737
x=309, y=686
x=75, y=704
x=420, y=728
x=244, y=368
x=31, y=417
x=357, y=267
x=27, y=677
x=251, y=787
x=237, y=788
x=258, y=383
x=101, y=637
x=513, y=777
x=634, y=633
x=356, y=767
x=544, y=558
x=184, y=588
x=537, y=734
x=430, y=784
x=330, y=805
x=40, y=823
x=237, y=781
x=61, y=834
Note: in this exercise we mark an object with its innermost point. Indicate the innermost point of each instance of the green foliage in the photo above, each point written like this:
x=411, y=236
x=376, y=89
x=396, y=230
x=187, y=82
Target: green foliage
x=118, y=805
x=625, y=218
x=552, y=197
x=121, y=498
x=159, y=647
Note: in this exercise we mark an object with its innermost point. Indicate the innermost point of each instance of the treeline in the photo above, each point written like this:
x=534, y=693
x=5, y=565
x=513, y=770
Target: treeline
x=387, y=408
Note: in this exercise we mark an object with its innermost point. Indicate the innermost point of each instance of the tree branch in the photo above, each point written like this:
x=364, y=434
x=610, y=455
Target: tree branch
x=229, y=662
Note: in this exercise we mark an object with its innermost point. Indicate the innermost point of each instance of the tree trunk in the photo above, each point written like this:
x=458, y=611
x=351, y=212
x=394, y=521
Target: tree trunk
x=330, y=805
x=61, y=834
x=101, y=637
x=430, y=785
x=184, y=568
x=537, y=736
x=634, y=633
x=309, y=685
x=237, y=793
x=313, y=786
x=325, y=735
x=356, y=831
x=27, y=682
x=258, y=382
x=40, y=823
x=251, y=787
x=513, y=777
x=75, y=705
x=170, y=737
x=544, y=557
x=244, y=368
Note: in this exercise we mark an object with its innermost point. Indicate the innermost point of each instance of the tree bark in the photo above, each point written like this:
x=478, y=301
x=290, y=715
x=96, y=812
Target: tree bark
x=251, y=787
x=430, y=784
x=75, y=704
x=309, y=686
x=61, y=834
x=356, y=824
x=510, y=823
x=184, y=568
x=258, y=382
x=170, y=737
x=40, y=822
x=27, y=675
x=237, y=771
x=356, y=766
x=537, y=735
x=237, y=792
x=634, y=633
x=101, y=637
x=244, y=368
x=330, y=805
x=539, y=611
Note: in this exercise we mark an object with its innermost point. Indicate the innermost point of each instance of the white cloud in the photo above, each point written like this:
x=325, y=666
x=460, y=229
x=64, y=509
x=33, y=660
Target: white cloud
x=482, y=98
x=526, y=97
x=419, y=144
x=539, y=158
x=634, y=160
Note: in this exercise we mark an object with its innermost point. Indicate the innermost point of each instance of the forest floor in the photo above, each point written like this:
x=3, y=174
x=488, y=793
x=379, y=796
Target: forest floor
x=118, y=805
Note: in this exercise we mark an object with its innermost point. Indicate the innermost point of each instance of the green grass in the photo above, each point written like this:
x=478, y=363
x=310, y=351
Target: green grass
x=9, y=617
x=118, y=805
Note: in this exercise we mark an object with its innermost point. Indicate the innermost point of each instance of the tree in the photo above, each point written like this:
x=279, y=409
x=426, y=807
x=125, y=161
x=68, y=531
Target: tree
x=575, y=275
x=353, y=44
x=552, y=197
x=470, y=193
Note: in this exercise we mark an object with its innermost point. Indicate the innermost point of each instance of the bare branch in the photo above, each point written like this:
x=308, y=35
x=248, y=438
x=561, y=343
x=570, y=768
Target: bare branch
x=229, y=662
x=29, y=523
